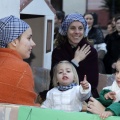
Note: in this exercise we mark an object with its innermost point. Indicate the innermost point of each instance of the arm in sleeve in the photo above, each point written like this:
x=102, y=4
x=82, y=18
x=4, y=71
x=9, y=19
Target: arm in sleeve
x=85, y=94
x=115, y=108
x=105, y=102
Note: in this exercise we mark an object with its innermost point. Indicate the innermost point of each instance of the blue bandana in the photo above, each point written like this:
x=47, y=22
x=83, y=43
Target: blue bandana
x=69, y=19
x=64, y=88
x=11, y=28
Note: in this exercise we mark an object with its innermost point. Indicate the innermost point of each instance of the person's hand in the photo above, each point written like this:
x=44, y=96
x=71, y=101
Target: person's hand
x=81, y=53
x=84, y=83
x=106, y=114
x=94, y=106
x=114, y=65
x=110, y=95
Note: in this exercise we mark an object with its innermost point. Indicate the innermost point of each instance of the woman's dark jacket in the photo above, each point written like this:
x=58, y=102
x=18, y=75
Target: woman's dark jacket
x=88, y=67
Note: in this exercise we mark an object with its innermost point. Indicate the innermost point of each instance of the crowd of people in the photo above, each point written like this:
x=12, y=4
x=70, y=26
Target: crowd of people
x=80, y=53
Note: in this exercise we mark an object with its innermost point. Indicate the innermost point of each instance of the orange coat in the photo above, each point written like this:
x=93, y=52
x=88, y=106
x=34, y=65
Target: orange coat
x=16, y=79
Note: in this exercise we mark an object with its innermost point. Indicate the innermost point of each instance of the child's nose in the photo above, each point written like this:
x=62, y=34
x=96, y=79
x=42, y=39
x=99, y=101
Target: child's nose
x=64, y=72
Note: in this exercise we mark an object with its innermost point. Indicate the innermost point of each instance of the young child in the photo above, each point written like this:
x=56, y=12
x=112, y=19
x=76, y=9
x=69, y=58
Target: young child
x=67, y=94
x=110, y=97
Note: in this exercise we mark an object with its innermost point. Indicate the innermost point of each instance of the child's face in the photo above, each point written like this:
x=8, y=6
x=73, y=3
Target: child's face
x=65, y=74
x=117, y=74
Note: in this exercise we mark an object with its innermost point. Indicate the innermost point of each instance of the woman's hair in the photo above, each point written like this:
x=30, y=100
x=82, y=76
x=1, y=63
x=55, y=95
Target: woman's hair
x=89, y=14
x=60, y=40
x=118, y=60
x=55, y=83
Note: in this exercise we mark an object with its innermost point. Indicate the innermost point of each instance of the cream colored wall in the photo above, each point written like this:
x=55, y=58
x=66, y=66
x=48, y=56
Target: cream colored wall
x=39, y=28
x=70, y=6
x=37, y=25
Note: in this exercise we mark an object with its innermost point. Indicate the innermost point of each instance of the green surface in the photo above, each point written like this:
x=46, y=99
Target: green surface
x=35, y=113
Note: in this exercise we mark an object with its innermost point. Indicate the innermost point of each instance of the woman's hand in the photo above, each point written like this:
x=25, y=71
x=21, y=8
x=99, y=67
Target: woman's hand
x=84, y=83
x=81, y=53
x=106, y=114
x=94, y=106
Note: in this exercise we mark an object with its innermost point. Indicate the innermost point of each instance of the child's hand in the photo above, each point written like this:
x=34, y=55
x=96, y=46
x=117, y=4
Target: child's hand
x=110, y=95
x=106, y=114
x=84, y=83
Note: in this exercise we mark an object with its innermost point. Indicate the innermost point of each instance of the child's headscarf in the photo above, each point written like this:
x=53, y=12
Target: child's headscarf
x=11, y=28
x=69, y=19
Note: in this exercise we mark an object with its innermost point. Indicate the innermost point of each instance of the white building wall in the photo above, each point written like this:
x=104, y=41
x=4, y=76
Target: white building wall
x=37, y=7
x=9, y=7
x=70, y=6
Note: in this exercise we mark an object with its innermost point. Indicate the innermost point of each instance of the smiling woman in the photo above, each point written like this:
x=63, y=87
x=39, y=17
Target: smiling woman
x=73, y=46
x=16, y=80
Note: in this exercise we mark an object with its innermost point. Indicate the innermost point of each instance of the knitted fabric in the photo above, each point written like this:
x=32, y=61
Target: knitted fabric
x=16, y=80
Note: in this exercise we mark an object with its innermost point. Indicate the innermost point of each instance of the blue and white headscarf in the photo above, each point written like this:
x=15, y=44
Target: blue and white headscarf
x=69, y=19
x=11, y=28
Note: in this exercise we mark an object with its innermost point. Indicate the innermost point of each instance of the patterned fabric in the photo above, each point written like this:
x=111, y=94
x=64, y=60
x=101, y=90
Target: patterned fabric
x=11, y=28
x=69, y=19
x=64, y=88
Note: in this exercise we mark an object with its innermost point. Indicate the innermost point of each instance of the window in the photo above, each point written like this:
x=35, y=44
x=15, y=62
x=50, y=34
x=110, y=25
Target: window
x=49, y=36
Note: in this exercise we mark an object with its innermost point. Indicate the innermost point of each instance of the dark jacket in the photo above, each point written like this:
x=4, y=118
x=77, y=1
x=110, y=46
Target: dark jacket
x=113, y=51
x=88, y=67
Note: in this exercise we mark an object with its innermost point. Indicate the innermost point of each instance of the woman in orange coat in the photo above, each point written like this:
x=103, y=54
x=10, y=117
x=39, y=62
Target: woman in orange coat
x=16, y=80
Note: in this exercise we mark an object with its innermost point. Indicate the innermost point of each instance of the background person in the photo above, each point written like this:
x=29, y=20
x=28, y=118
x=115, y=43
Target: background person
x=67, y=89
x=16, y=79
x=113, y=48
x=96, y=36
x=59, y=17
